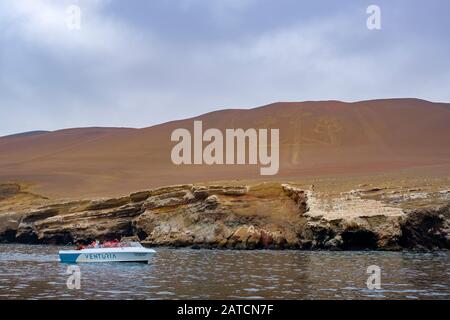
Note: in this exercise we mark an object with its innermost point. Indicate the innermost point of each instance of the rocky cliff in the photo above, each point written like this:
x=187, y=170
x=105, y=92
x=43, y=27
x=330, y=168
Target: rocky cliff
x=265, y=215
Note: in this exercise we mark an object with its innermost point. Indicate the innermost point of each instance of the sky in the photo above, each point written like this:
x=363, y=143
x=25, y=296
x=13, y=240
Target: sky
x=138, y=63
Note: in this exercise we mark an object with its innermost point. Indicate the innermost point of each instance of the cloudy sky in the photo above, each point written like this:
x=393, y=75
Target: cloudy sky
x=137, y=63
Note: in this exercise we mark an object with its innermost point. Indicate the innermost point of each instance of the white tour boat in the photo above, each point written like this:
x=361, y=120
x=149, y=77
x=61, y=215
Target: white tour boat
x=129, y=252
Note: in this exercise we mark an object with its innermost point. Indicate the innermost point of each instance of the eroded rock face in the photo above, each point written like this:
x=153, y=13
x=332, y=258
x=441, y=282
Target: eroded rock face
x=77, y=223
x=298, y=195
x=349, y=222
x=208, y=217
x=268, y=215
x=427, y=228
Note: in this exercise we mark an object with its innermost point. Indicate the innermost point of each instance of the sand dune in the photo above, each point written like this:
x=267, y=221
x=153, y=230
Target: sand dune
x=316, y=138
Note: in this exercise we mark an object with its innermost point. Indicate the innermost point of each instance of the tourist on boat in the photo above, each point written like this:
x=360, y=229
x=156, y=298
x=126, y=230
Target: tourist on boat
x=97, y=244
x=111, y=244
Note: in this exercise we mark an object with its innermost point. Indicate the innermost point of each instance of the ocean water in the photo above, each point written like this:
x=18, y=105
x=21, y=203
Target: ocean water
x=34, y=272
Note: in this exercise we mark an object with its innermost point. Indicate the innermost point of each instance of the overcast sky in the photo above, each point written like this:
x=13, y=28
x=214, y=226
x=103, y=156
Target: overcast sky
x=138, y=63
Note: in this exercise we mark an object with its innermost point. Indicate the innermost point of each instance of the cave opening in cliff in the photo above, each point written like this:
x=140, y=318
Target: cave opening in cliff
x=358, y=240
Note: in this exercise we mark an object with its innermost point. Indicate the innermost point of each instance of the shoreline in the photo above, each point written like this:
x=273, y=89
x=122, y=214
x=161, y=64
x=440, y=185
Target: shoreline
x=267, y=215
x=192, y=248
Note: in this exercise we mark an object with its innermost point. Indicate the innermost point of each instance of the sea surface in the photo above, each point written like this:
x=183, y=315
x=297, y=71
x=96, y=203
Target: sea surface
x=34, y=272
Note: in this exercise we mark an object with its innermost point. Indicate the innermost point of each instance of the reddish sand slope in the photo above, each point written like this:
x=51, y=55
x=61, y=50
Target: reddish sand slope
x=316, y=138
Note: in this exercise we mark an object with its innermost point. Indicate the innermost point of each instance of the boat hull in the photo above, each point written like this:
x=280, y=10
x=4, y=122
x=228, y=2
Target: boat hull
x=106, y=255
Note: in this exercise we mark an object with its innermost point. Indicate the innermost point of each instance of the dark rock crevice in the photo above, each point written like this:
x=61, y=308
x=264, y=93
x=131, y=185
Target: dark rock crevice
x=426, y=229
x=359, y=240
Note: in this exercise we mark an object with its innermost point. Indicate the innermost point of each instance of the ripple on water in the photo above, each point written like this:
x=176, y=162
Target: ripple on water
x=33, y=272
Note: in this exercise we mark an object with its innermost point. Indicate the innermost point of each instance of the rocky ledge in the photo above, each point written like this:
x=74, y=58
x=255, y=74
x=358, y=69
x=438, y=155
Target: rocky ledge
x=266, y=215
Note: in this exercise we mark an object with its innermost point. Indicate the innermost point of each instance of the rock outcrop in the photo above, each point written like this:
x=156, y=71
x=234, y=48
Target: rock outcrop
x=265, y=215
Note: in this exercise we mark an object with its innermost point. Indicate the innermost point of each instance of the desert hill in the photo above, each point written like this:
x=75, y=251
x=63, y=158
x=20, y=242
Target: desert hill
x=316, y=139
